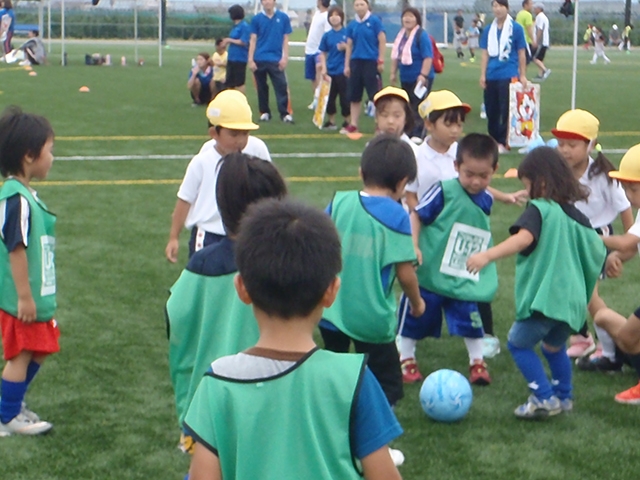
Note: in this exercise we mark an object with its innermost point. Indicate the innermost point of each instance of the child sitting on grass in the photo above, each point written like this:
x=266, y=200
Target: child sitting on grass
x=285, y=409
x=559, y=260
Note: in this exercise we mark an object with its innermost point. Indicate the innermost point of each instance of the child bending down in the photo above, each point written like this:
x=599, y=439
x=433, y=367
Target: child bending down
x=559, y=260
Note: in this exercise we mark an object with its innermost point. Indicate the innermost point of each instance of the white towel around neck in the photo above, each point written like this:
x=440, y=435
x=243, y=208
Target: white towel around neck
x=500, y=49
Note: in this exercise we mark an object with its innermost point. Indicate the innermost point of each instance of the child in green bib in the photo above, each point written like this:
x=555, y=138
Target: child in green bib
x=285, y=408
x=205, y=318
x=27, y=269
x=559, y=260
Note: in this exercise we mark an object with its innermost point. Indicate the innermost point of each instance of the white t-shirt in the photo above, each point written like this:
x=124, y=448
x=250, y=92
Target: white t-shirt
x=606, y=200
x=542, y=24
x=198, y=186
x=433, y=167
x=319, y=25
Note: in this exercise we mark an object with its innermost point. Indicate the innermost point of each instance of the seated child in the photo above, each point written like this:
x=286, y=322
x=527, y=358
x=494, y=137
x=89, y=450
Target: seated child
x=449, y=224
x=205, y=318
x=200, y=83
x=559, y=260
x=285, y=409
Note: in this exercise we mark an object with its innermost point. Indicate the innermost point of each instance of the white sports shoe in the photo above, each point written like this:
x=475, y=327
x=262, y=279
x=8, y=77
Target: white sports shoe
x=287, y=119
x=265, y=117
x=29, y=414
x=397, y=456
x=22, y=425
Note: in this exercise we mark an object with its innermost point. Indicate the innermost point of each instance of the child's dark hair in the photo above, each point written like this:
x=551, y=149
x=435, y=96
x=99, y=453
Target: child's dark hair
x=451, y=115
x=408, y=113
x=36, y=33
x=236, y=12
x=219, y=41
x=287, y=254
x=339, y=11
x=387, y=160
x=243, y=180
x=551, y=177
x=601, y=166
x=479, y=146
x=21, y=134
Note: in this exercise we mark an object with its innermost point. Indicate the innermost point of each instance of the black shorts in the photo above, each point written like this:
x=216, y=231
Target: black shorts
x=364, y=75
x=540, y=53
x=236, y=74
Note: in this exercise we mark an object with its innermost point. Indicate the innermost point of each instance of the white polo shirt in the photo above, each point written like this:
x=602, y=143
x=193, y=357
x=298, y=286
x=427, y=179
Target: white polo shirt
x=542, y=24
x=606, y=200
x=198, y=187
x=319, y=25
x=433, y=167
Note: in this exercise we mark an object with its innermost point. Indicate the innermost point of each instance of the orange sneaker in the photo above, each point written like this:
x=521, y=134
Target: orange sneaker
x=478, y=373
x=630, y=397
x=410, y=372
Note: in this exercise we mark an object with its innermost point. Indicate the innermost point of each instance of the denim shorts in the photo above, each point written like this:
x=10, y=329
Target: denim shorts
x=531, y=331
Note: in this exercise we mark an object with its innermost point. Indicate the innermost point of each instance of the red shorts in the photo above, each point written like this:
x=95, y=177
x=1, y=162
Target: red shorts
x=41, y=338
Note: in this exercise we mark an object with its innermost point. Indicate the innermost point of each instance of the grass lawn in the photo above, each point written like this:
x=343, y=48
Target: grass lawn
x=108, y=391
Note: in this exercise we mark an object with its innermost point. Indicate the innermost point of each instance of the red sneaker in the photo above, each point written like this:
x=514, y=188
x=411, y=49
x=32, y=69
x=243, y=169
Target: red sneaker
x=410, y=372
x=349, y=129
x=478, y=373
x=630, y=397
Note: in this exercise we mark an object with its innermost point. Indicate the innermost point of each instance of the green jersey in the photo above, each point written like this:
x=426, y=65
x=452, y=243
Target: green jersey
x=376, y=235
x=40, y=253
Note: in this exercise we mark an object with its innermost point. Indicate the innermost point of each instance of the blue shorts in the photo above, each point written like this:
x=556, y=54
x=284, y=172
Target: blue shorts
x=200, y=239
x=463, y=318
x=310, y=62
x=529, y=332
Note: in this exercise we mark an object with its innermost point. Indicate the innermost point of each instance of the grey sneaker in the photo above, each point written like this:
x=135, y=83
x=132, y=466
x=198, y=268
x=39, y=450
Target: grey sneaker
x=546, y=74
x=21, y=425
x=536, y=409
x=566, y=404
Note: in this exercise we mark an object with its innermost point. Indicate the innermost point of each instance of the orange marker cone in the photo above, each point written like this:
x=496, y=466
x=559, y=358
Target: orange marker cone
x=511, y=173
x=84, y=89
x=32, y=74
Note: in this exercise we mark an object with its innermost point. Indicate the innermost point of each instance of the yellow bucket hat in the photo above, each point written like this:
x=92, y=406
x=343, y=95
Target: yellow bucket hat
x=395, y=91
x=441, y=100
x=629, y=166
x=230, y=109
x=576, y=125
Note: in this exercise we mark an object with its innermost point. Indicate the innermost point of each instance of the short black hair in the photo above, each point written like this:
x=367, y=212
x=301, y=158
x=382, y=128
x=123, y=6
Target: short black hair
x=387, y=160
x=236, y=12
x=325, y=3
x=21, y=134
x=219, y=41
x=287, y=254
x=479, y=146
x=451, y=115
x=243, y=180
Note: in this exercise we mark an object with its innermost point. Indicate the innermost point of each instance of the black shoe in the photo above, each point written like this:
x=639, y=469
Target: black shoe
x=329, y=126
x=345, y=124
x=599, y=364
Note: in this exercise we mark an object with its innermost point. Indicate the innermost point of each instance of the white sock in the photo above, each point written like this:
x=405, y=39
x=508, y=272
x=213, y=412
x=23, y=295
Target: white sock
x=474, y=347
x=608, y=345
x=406, y=347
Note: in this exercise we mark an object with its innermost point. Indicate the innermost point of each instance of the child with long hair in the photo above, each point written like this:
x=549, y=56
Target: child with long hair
x=559, y=259
x=577, y=132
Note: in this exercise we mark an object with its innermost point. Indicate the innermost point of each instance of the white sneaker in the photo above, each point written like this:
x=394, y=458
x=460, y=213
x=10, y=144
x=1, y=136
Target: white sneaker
x=397, y=456
x=265, y=117
x=29, y=414
x=21, y=425
x=287, y=119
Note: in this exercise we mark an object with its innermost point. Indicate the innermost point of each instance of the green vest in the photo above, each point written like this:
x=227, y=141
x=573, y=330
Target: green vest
x=40, y=257
x=365, y=308
x=292, y=426
x=206, y=321
x=557, y=279
x=461, y=229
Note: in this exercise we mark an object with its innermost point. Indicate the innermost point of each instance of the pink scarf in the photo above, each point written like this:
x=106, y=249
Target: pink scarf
x=406, y=59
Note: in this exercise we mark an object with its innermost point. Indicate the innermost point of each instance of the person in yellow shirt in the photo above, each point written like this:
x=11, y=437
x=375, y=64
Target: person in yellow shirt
x=525, y=19
x=219, y=60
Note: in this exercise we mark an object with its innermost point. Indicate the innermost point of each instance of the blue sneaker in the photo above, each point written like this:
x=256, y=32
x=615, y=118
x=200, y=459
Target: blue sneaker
x=536, y=409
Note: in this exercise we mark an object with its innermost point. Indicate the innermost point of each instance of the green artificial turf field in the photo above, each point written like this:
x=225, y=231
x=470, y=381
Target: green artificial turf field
x=108, y=391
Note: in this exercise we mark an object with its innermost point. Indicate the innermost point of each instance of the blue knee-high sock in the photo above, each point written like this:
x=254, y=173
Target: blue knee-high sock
x=32, y=369
x=561, y=373
x=531, y=367
x=11, y=400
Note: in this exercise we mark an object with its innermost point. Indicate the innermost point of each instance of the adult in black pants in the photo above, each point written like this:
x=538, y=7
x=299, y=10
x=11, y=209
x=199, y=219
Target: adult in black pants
x=503, y=58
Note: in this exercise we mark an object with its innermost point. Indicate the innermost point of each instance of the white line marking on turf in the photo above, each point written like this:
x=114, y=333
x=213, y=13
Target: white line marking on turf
x=111, y=158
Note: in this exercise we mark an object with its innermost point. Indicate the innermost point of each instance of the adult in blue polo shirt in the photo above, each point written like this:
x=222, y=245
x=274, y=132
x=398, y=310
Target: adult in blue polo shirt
x=238, y=42
x=364, y=58
x=503, y=58
x=269, y=55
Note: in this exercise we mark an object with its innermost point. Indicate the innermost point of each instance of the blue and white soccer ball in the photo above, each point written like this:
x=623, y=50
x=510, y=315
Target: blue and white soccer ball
x=446, y=395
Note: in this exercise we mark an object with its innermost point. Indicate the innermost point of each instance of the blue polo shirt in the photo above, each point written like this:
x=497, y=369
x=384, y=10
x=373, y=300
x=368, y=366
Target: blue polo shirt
x=364, y=36
x=12, y=14
x=409, y=73
x=236, y=53
x=270, y=33
x=496, y=69
x=335, y=57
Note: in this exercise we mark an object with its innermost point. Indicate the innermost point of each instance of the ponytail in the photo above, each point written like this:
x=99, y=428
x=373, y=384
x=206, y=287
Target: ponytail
x=601, y=166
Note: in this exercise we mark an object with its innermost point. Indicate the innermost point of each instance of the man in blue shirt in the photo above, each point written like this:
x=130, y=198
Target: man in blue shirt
x=268, y=55
x=503, y=58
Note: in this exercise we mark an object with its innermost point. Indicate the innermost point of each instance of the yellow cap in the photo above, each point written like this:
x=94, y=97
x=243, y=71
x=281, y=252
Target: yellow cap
x=576, y=125
x=629, y=166
x=441, y=100
x=395, y=91
x=230, y=109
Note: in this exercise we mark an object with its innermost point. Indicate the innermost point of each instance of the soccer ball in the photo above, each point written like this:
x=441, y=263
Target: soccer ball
x=446, y=396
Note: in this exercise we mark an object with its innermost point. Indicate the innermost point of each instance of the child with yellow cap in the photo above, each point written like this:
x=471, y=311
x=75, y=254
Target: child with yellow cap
x=625, y=332
x=577, y=134
x=229, y=116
